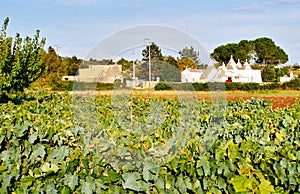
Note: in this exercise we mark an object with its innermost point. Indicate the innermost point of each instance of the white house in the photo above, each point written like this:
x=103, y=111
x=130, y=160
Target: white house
x=191, y=75
x=287, y=78
x=237, y=72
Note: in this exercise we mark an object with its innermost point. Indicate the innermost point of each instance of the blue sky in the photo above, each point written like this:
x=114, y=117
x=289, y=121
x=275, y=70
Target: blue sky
x=76, y=26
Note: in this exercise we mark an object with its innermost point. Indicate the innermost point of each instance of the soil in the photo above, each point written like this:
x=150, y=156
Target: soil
x=277, y=102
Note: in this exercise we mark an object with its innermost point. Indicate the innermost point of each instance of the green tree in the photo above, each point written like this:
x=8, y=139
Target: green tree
x=184, y=63
x=262, y=50
x=72, y=65
x=268, y=53
x=268, y=74
x=170, y=60
x=190, y=53
x=54, y=70
x=20, y=62
x=155, y=52
x=125, y=64
x=242, y=50
x=169, y=72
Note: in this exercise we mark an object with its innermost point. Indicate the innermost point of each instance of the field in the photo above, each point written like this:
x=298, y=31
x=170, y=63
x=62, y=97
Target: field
x=279, y=98
x=153, y=142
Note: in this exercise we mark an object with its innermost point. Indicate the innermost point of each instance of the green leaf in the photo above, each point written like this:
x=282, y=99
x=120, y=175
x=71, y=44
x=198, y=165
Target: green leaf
x=180, y=184
x=89, y=185
x=28, y=180
x=33, y=138
x=50, y=188
x=38, y=151
x=24, y=129
x=62, y=152
x=100, y=184
x=71, y=180
x=150, y=172
x=221, y=184
x=204, y=162
x=160, y=183
x=233, y=151
x=47, y=167
x=241, y=183
x=265, y=187
x=133, y=181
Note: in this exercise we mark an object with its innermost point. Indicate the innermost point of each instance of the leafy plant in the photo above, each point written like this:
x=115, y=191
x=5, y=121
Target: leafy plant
x=44, y=150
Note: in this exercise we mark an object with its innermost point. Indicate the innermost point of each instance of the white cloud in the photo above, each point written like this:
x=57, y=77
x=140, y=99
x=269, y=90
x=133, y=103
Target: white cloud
x=282, y=2
x=247, y=8
x=132, y=6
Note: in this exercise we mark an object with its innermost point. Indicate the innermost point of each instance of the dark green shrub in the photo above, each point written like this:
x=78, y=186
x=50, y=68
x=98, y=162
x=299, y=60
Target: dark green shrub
x=293, y=84
x=200, y=86
x=162, y=86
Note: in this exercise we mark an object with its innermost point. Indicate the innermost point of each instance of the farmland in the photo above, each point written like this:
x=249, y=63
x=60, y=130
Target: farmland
x=54, y=143
x=279, y=98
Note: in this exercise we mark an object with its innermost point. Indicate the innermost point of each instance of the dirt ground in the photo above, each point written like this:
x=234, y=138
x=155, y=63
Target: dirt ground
x=280, y=99
x=277, y=101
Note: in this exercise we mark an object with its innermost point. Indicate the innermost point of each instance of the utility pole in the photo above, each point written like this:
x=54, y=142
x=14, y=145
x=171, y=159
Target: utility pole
x=133, y=66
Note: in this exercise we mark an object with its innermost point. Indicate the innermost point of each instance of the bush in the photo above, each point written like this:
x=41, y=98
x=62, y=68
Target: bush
x=201, y=86
x=64, y=86
x=162, y=86
x=293, y=84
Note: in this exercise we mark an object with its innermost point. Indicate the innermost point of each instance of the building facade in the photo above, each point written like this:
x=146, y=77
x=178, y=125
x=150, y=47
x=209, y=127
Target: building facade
x=237, y=72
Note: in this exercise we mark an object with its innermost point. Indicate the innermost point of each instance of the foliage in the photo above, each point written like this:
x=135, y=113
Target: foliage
x=242, y=50
x=162, y=86
x=20, y=62
x=55, y=70
x=125, y=64
x=170, y=60
x=293, y=84
x=42, y=151
x=232, y=86
x=184, y=63
x=268, y=53
x=155, y=52
x=190, y=53
x=262, y=50
x=72, y=65
x=268, y=74
x=81, y=86
x=56, y=67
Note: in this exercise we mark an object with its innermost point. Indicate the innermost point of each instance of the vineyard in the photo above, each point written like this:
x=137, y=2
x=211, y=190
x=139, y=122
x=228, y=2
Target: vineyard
x=59, y=143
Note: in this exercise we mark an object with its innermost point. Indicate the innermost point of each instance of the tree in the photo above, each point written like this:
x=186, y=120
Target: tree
x=20, y=62
x=190, y=53
x=184, y=63
x=262, y=50
x=268, y=74
x=155, y=52
x=170, y=60
x=267, y=53
x=125, y=64
x=72, y=65
x=242, y=50
x=54, y=70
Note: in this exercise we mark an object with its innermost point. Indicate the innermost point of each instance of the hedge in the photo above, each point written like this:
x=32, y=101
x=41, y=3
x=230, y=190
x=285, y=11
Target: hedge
x=228, y=86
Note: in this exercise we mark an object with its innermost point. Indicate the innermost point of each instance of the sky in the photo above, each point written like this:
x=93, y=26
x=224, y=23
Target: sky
x=75, y=27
